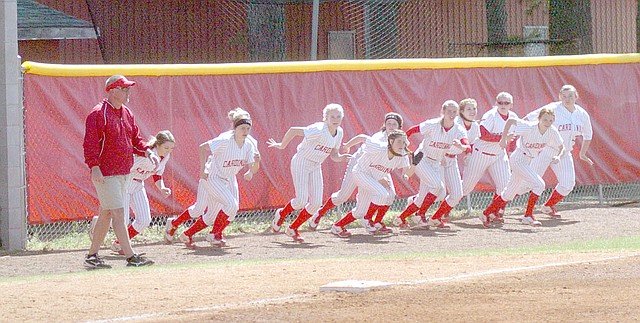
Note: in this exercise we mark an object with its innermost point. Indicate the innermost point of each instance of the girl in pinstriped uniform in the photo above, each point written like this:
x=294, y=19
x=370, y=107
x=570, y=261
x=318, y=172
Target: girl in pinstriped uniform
x=487, y=155
x=571, y=121
x=533, y=138
x=230, y=152
x=437, y=167
x=162, y=144
x=392, y=121
x=372, y=174
x=320, y=140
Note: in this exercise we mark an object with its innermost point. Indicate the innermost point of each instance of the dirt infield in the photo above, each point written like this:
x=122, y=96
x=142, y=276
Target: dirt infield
x=463, y=274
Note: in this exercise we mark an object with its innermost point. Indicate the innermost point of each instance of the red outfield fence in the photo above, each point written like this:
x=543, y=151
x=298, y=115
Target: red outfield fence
x=194, y=108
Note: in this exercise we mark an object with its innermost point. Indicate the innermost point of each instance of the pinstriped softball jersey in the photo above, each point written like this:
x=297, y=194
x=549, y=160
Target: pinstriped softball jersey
x=318, y=142
x=530, y=143
x=435, y=145
x=137, y=198
x=306, y=171
x=487, y=155
x=228, y=158
x=473, y=131
x=348, y=185
x=570, y=125
x=374, y=165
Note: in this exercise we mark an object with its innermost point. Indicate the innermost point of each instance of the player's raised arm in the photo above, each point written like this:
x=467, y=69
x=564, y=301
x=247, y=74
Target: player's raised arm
x=288, y=136
x=354, y=141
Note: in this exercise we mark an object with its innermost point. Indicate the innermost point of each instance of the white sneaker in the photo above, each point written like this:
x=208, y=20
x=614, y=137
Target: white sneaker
x=419, y=223
x=293, y=233
x=550, y=211
x=169, y=230
x=187, y=240
x=92, y=227
x=528, y=220
x=215, y=241
x=115, y=247
x=340, y=231
x=313, y=222
x=398, y=222
x=486, y=221
x=274, y=224
x=437, y=224
x=367, y=225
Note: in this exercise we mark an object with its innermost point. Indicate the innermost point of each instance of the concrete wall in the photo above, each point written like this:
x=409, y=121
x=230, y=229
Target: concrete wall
x=12, y=175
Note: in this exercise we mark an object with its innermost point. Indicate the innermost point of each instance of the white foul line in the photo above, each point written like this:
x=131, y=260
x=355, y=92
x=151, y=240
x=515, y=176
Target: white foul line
x=280, y=299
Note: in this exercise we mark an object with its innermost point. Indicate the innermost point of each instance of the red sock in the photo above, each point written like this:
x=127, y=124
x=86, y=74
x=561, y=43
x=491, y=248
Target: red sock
x=132, y=232
x=533, y=198
x=302, y=218
x=497, y=204
x=346, y=220
x=181, y=219
x=286, y=211
x=221, y=222
x=554, y=198
x=382, y=210
x=328, y=205
x=372, y=209
x=411, y=209
x=426, y=204
x=196, y=227
x=442, y=210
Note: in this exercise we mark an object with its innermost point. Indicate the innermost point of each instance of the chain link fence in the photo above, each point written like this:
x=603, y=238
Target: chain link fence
x=588, y=196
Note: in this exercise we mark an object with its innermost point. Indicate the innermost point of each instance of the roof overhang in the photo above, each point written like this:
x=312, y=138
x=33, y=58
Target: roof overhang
x=39, y=22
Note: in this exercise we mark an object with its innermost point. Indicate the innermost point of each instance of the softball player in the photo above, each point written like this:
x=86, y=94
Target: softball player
x=372, y=174
x=392, y=121
x=230, y=152
x=571, y=121
x=467, y=119
x=487, y=155
x=321, y=140
x=162, y=144
x=533, y=138
x=437, y=167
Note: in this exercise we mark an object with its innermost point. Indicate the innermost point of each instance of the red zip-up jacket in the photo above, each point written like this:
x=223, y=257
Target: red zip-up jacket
x=111, y=138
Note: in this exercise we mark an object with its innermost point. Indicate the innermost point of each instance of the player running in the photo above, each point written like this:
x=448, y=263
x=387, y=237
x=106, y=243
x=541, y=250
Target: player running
x=230, y=152
x=437, y=167
x=392, y=121
x=162, y=144
x=372, y=174
x=533, y=138
x=487, y=155
x=571, y=121
x=320, y=140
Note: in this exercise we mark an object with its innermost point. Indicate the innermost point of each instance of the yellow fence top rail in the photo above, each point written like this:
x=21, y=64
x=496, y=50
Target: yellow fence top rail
x=72, y=70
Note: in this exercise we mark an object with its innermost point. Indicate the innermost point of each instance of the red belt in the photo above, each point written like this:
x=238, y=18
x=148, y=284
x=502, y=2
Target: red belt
x=485, y=153
x=137, y=180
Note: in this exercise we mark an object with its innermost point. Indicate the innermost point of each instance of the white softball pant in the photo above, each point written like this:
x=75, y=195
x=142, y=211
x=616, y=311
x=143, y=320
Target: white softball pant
x=307, y=182
x=452, y=181
x=523, y=178
x=478, y=163
x=370, y=191
x=348, y=185
x=137, y=200
x=431, y=175
x=564, y=170
x=216, y=193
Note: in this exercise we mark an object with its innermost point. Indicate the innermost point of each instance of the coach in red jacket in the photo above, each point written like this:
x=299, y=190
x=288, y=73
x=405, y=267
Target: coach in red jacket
x=111, y=139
